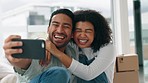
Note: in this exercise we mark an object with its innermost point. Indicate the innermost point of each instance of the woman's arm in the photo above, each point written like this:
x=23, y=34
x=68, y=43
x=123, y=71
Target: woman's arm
x=105, y=58
x=65, y=59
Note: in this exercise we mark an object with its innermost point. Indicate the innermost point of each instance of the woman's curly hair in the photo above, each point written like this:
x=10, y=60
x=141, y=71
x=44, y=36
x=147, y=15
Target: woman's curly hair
x=101, y=27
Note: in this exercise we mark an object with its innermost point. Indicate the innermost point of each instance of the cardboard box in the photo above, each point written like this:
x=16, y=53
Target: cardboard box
x=127, y=63
x=126, y=77
x=115, y=69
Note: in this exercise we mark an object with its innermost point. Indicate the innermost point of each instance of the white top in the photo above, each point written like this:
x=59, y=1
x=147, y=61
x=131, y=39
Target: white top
x=104, y=62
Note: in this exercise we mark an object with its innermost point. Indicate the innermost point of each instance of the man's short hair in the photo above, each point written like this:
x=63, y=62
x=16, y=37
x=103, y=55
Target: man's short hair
x=66, y=12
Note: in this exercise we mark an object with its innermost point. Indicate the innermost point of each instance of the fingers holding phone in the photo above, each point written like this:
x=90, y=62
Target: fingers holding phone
x=9, y=44
x=9, y=51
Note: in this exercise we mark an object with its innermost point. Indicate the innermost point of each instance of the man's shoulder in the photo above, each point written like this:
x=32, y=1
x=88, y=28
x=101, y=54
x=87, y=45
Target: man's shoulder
x=71, y=50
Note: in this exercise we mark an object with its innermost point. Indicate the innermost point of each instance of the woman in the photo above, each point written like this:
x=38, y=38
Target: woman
x=92, y=36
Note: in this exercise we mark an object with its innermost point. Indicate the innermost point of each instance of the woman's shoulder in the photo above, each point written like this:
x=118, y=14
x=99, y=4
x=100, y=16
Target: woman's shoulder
x=109, y=47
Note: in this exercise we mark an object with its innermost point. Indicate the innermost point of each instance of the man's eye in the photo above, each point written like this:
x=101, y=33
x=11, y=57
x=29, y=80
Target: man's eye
x=66, y=26
x=55, y=24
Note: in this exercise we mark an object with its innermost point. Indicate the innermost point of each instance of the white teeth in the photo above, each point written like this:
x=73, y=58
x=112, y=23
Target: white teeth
x=57, y=36
x=83, y=41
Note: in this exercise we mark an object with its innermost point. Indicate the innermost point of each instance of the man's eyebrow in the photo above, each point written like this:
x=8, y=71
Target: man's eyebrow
x=67, y=24
x=55, y=22
x=63, y=23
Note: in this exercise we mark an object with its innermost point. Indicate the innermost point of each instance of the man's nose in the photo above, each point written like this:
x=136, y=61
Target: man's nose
x=60, y=29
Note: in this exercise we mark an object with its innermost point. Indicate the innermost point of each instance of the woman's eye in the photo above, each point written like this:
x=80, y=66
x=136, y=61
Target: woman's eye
x=78, y=30
x=88, y=31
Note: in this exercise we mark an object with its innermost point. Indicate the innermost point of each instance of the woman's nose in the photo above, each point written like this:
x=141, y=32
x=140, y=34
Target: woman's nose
x=83, y=34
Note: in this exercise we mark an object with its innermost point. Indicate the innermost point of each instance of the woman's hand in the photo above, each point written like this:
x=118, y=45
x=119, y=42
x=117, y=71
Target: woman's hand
x=59, y=53
x=51, y=48
x=46, y=61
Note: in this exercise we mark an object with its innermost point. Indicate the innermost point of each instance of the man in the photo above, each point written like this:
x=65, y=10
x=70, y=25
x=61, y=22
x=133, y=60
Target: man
x=59, y=32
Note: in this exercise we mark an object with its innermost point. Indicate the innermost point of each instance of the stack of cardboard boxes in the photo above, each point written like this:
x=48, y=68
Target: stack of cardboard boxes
x=126, y=69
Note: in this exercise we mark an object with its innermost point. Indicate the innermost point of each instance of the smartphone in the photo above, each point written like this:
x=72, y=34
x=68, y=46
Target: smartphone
x=32, y=49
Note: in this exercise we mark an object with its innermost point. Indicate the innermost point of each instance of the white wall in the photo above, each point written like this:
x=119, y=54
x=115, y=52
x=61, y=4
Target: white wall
x=0, y=38
x=1, y=45
x=6, y=31
x=144, y=17
x=15, y=20
x=121, y=27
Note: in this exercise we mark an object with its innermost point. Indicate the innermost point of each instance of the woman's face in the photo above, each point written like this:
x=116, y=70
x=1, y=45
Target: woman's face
x=84, y=34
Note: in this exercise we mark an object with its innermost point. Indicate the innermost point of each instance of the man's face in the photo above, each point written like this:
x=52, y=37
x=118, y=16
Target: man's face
x=60, y=30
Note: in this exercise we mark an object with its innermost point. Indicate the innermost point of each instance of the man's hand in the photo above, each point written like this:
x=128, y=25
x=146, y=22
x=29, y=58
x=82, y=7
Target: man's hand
x=17, y=62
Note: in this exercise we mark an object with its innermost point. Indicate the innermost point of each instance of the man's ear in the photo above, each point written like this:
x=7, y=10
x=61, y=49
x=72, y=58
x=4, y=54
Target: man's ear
x=48, y=29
